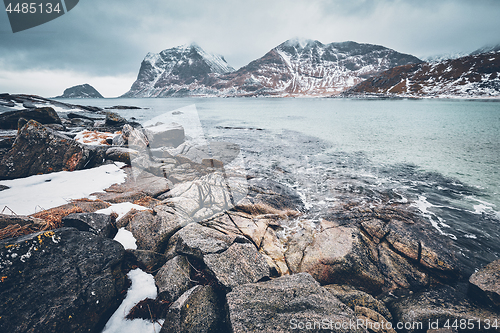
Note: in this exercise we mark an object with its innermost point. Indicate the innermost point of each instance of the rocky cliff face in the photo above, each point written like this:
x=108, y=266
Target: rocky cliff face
x=178, y=71
x=294, y=68
x=81, y=91
x=475, y=75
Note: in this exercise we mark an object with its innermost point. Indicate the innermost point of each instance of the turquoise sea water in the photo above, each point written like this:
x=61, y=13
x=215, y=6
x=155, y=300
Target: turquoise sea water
x=442, y=156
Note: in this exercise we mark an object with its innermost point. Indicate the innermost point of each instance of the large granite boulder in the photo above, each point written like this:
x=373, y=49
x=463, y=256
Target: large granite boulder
x=173, y=279
x=485, y=284
x=38, y=149
x=198, y=310
x=113, y=119
x=59, y=281
x=239, y=264
x=153, y=229
x=288, y=303
x=197, y=241
x=45, y=115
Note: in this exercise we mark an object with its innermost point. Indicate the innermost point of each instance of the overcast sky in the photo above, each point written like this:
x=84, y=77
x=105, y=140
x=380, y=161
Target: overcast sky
x=103, y=42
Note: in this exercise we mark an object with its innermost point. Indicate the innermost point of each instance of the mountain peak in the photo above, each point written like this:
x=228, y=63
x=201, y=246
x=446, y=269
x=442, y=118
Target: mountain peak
x=300, y=43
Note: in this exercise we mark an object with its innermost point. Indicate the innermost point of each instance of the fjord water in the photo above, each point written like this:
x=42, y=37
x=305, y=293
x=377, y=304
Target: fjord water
x=440, y=156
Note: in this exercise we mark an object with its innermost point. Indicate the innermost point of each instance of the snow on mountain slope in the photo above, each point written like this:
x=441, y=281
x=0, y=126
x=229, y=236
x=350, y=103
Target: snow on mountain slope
x=294, y=68
x=177, y=71
x=310, y=68
x=472, y=76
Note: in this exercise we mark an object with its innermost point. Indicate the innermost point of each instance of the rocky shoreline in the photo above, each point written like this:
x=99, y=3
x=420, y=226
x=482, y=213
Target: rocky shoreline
x=229, y=252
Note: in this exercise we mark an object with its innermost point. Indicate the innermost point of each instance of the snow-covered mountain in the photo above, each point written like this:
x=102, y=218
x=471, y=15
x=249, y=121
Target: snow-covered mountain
x=178, y=71
x=293, y=68
x=473, y=76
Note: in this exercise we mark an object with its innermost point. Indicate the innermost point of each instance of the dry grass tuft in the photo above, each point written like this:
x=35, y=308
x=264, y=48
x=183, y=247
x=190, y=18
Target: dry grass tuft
x=145, y=201
x=54, y=216
x=15, y=230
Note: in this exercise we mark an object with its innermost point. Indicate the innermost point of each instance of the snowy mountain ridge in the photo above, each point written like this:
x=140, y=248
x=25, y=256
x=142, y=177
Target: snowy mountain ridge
x=293, y=68
x=309, y=68
x=471, y=76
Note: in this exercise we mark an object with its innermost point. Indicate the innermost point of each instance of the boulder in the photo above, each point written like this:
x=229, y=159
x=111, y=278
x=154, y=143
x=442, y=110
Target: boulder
x=288, y=303
x=153, y=229
x=337, y=254
x=445, y=306
x=100, y=224
x=59, y=281
x=39, y=150
x=239, y=264
x=81, y=122
x=114, y=119
x=121, y=154
x=485, y=284
x=134, y=138
x=150, y=260
x=197, y=241
x=375, y=249
x=198, y=310
x=45, y=115
x=356, y=298
x=173, y=279
x=274, y=194
x=165, y=135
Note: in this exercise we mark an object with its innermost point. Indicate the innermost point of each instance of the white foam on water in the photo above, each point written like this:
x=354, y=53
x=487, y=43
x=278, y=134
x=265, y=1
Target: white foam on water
x=423, y=205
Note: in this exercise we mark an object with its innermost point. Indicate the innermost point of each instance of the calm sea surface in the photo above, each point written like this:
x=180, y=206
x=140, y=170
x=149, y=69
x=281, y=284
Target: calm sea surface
x=442, y=156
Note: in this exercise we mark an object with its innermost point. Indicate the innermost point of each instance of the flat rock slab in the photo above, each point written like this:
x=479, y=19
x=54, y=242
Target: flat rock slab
x=59, y=281
x=486, y=283
x=239, y=264
x=197, y=241
x=46, y=115
x=137, y=185
x=285, y=304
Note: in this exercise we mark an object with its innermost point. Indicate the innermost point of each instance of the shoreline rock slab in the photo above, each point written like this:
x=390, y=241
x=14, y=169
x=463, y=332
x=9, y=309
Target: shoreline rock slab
x=45, y=115
x=63, y=280
x=277, y=305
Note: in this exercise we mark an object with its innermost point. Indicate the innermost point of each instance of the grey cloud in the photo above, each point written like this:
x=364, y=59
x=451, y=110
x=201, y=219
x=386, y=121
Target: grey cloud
x=111, y=37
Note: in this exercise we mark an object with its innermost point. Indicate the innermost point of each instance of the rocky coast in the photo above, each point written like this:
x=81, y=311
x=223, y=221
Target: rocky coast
x=228, y=251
